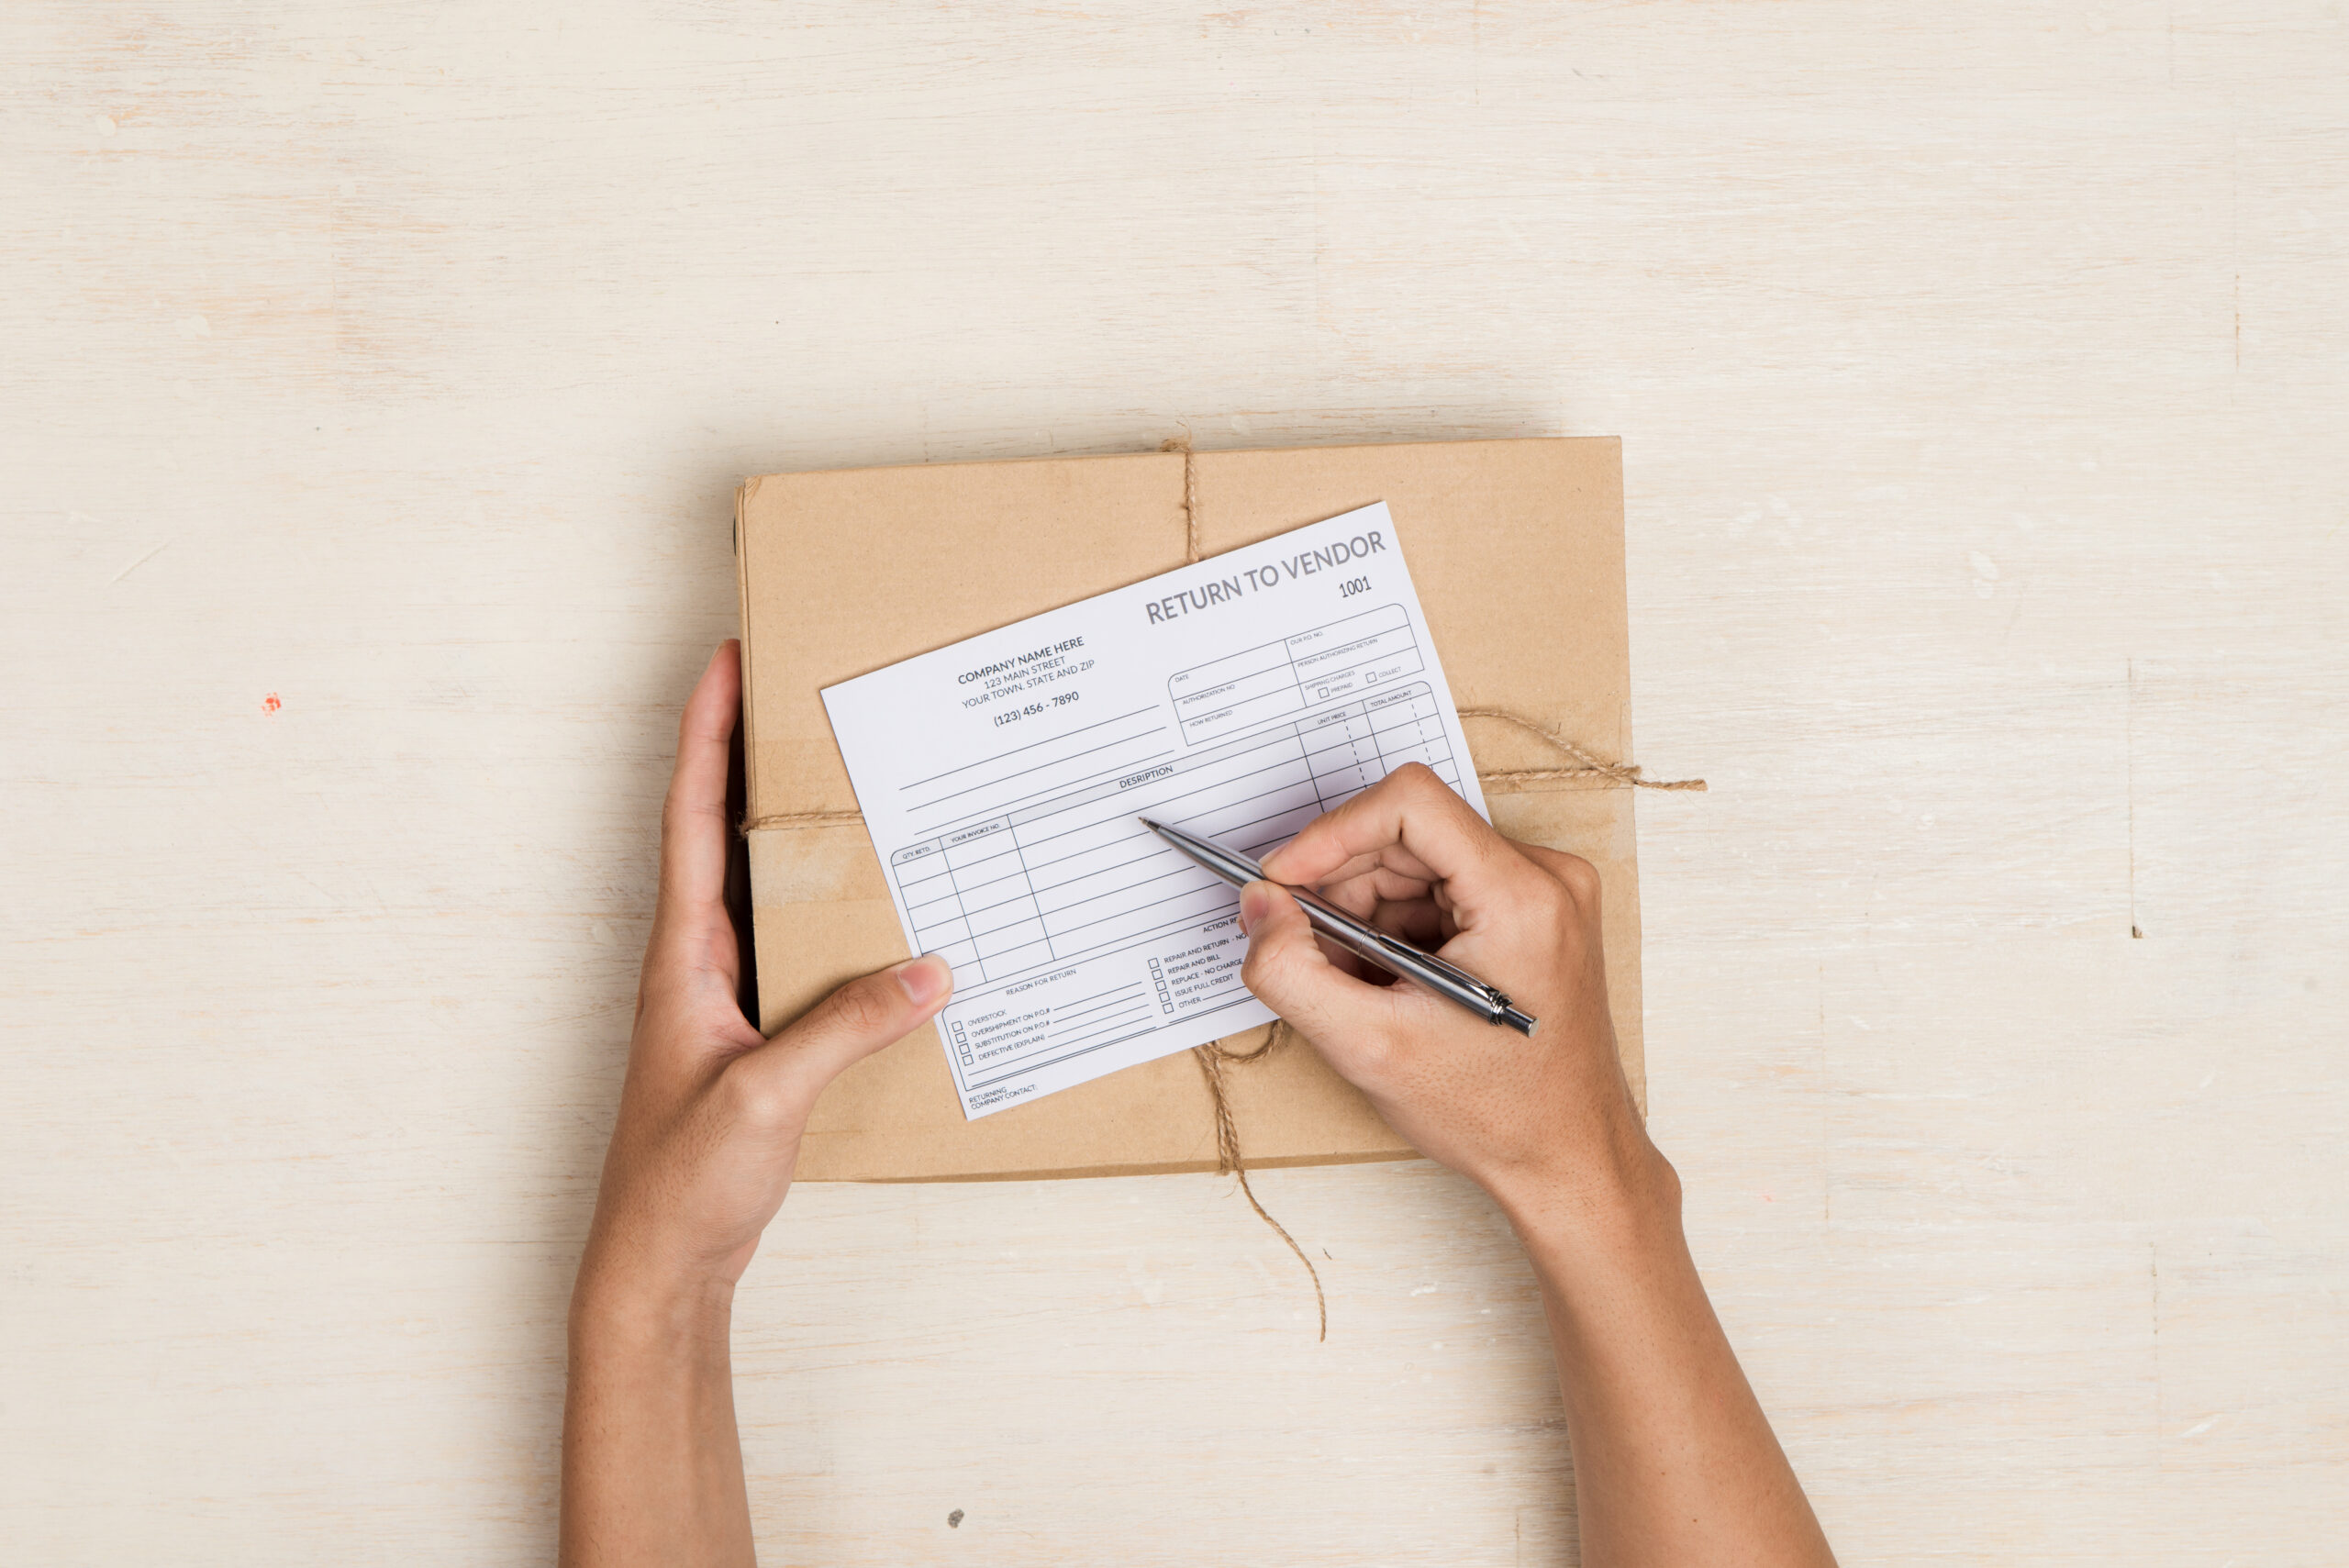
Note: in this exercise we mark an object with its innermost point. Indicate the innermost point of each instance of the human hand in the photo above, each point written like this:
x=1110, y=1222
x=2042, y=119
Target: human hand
x=1674, y=1460
x=711, y=1113
x=1534, y=1121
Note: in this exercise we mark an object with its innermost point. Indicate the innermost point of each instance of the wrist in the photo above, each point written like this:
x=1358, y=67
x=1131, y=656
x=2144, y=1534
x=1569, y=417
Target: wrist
x=623, y=1300
x=1627, y=1200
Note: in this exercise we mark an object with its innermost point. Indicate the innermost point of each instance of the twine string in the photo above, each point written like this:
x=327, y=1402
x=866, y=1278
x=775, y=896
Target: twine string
x=1213, y=1058
x=1591, y=767
x=1182, y=443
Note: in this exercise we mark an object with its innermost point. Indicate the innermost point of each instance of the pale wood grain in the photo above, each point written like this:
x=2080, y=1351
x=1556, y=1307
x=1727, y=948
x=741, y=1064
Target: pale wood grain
x=1981, y=374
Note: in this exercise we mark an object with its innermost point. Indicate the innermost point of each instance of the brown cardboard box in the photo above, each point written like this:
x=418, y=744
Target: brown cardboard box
x=1516, y=549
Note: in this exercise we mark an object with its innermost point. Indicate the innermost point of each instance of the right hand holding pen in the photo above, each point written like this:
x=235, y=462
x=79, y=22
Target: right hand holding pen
x=1536, y=1121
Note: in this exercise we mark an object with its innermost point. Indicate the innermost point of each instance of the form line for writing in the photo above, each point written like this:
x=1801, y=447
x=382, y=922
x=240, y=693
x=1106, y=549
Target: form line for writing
x=1005, y=807
x=999, y=756
x=1240, y=1000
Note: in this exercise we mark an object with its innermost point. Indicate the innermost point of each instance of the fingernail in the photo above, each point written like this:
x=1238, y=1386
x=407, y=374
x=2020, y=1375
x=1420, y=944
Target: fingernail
x=926, y=979
x=1255, y=903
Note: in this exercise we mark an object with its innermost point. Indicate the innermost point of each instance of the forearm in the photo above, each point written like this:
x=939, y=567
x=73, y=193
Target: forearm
x=653, y=1466
x=1675, y=1461
x=710, y=1122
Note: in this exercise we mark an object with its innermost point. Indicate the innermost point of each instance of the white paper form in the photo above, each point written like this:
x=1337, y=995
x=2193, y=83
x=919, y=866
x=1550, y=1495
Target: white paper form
x=1001, y=779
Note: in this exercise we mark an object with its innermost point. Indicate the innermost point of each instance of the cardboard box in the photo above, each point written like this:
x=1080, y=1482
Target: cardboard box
x=1516, y=549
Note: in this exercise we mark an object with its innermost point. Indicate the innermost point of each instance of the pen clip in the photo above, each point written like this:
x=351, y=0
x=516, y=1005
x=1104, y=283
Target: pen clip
x=1458, y=975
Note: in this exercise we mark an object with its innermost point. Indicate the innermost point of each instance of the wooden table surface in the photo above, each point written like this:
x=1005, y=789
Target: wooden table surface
x=375, y=383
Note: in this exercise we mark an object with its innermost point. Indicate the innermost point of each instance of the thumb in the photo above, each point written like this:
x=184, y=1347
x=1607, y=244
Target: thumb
x=1289, y=973
x=862, y=1017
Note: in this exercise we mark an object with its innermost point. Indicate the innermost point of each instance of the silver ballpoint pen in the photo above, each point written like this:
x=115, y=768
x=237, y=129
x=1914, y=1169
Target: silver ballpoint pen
x=1360, y=938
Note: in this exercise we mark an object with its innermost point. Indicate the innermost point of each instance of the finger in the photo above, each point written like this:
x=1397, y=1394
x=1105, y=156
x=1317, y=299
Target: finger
x=1579, y=877
x=1288, y=971
x=1410, y=807
x=1377, y=885
x=693, y=819
x=1415, y=920
x=1356, y=896
x=865, y=1016
x=1392, y=859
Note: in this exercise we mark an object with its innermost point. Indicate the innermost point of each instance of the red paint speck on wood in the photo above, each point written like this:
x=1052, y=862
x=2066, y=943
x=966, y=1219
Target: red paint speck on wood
x=270, y=702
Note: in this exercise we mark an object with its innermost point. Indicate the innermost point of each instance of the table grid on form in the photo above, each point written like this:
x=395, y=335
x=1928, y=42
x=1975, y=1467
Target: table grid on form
x=1227, y=695
x=1073, y=879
